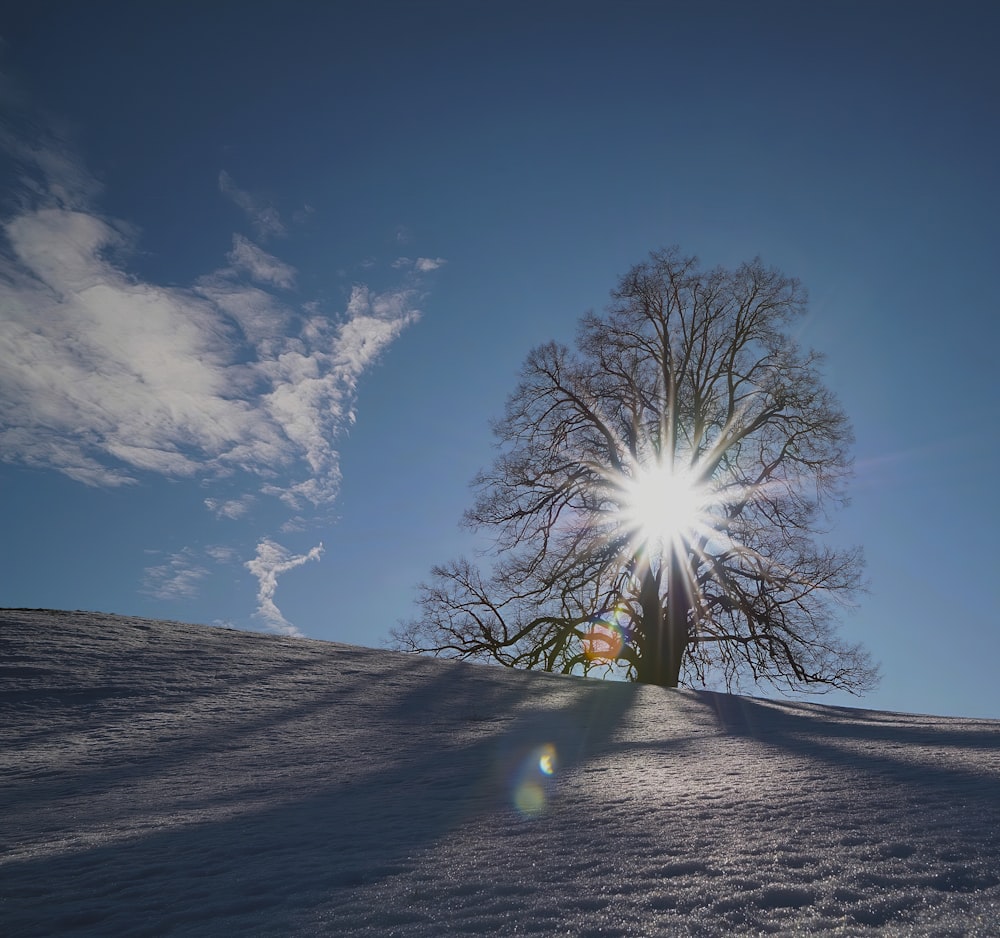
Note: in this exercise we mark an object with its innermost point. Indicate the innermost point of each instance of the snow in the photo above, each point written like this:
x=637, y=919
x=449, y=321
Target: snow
x=160, y=778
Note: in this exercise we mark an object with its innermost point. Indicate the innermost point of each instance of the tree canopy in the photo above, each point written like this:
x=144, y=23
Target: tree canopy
x=657, y=497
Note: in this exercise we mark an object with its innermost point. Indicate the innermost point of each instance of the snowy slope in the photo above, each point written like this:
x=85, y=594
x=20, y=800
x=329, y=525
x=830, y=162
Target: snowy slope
x=158, y=778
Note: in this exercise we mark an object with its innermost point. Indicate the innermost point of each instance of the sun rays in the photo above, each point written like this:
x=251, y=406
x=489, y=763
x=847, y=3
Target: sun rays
x=663, y=507
x=677, y=520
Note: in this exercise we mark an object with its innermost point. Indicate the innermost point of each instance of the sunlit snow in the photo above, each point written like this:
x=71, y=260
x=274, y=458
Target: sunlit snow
x=158, y=778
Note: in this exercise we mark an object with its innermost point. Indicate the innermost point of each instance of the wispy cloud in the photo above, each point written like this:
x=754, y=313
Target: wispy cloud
x=44, y=168
x=222, y=554
x=262, y=267
x=261, y=213
x=272, y=561
x=422, y=265
x=180, y=574
x=177, y=577
x=104, y=376
x=232, y=508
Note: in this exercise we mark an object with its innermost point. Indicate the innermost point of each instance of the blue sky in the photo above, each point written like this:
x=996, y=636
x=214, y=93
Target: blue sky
x=268, y=271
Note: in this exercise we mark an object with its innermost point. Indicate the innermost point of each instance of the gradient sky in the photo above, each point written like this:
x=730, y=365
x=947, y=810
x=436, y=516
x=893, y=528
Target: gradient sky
x=268, y=270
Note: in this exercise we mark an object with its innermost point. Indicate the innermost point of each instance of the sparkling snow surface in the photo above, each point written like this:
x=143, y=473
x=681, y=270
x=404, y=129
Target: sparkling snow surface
x=158, y=778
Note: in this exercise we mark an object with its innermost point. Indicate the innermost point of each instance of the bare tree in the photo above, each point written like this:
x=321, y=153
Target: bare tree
x=657, y=494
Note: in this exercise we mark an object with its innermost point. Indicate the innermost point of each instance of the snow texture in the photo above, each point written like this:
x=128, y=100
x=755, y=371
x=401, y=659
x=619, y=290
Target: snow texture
x=158, y=778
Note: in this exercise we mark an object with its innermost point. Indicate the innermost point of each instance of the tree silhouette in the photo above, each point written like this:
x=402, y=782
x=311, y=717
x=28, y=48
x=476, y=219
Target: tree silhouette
x=657, y=494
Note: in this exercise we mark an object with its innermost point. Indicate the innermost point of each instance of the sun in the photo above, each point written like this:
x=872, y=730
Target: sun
x=662, y=506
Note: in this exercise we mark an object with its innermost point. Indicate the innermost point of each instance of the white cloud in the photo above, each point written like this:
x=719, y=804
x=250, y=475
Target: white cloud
x=177, y=578
x=263, y=216
x=272, y=561
x=222, y=554
x=104, y=376
x=47, y=168
x=261, y=266
x=422, y=265
x=232, y=508
x=263, y=320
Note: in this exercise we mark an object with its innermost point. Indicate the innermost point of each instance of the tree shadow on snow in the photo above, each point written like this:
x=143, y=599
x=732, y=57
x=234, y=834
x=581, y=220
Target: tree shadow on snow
x=371, y=761
x=944, y=753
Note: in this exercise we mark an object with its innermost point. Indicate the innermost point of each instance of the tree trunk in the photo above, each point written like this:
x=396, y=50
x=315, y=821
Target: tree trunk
x=664, y=631
x=678, y=604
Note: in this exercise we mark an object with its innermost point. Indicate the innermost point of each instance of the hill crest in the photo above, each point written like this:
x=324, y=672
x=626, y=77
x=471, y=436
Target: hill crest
x=203, y=780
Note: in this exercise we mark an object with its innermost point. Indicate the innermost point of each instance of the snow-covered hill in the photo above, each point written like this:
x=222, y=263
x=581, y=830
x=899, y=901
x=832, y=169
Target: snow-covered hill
x=158, y=778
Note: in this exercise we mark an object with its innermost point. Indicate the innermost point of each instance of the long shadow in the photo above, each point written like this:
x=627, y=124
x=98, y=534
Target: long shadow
x=89, y=711
x=875, y=743
x=347, y=827
x=197, y=672
x=379, y=759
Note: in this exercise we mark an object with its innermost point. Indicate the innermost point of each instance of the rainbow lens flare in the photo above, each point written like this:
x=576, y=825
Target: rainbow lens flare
x=607, y=635
x=534, y=779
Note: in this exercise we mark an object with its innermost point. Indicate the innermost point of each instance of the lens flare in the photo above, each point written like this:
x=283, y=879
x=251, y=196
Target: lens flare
x=608, y=632
x=529, y=799
x=533, y=780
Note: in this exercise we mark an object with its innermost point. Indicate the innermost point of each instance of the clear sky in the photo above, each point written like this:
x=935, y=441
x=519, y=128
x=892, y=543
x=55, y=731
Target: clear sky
x=268, y=270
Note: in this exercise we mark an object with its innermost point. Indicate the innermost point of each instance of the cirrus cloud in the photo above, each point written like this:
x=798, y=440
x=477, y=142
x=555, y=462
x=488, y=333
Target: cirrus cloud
x=422, y=265
x=178, y=577
x=261, y=214
x=105, y=376
x=262, y=267
x=232, y=508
